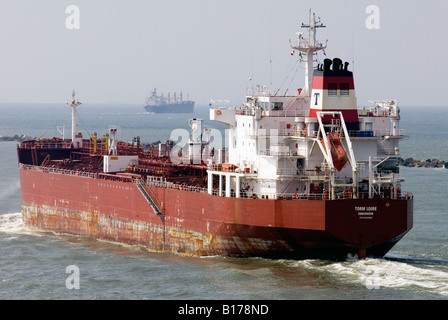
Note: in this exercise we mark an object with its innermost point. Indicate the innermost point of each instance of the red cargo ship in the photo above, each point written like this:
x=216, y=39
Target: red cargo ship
x=302, y=176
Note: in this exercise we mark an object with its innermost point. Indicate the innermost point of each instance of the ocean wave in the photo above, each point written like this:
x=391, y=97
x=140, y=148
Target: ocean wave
x=381, y=274
x=11, y=223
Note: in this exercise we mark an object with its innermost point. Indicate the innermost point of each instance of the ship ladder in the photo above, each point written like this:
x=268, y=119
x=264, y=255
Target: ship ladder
x=148, y=198
x=44, y=162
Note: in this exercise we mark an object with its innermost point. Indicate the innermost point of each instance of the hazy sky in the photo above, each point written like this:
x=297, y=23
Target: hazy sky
x=210, y=48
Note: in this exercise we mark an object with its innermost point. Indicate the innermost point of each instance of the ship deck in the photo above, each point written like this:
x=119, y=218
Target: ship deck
x=57, y=156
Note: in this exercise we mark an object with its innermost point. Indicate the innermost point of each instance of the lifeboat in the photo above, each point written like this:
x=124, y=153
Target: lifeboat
x=338, y=153
x=229, y=167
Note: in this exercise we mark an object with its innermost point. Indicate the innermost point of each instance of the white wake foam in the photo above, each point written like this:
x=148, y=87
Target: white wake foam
x=11, y=223
x=379, y=273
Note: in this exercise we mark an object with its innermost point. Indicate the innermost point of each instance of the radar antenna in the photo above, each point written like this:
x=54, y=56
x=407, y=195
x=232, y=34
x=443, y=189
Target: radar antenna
x=309, y=47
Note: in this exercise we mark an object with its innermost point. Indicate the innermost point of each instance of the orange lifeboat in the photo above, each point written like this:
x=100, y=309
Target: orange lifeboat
x=229, y=167
x=338, y=153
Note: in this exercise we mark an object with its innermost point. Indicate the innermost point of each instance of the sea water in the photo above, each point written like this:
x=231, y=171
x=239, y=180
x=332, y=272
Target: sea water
x=39, y=265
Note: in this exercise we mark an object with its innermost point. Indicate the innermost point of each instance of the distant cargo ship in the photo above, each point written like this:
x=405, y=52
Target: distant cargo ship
x=161, y=104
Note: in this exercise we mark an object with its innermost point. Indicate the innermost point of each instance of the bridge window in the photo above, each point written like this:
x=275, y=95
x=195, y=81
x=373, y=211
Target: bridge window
x=277, y=105
x=332, y=89
x=344, y=89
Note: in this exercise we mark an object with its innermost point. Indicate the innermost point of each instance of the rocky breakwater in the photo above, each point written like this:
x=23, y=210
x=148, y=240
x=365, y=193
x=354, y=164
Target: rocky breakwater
x=23, y=137
x=428, y=163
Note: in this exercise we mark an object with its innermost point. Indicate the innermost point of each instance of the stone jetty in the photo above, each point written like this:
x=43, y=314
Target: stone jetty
x=428, y=163
x=18, y=138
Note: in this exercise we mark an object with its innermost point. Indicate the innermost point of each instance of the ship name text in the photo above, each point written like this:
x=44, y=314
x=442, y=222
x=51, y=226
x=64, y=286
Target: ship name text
x=365, y=208
x=365, y=212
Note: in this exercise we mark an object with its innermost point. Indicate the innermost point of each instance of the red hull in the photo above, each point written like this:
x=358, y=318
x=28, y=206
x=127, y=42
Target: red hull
x=196, y=223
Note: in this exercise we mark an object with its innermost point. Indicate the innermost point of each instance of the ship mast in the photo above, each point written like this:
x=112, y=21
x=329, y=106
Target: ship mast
x=76, y=137
x=308, y=47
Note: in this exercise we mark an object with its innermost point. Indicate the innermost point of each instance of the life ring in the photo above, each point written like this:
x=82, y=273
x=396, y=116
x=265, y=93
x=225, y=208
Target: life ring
x=297, y=196
x=218, y=112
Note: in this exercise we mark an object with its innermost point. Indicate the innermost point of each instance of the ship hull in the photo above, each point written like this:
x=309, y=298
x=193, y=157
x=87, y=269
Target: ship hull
x=199, y=224
x=186, y=107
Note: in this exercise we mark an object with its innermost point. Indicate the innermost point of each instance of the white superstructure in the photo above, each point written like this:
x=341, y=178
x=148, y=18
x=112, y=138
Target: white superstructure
x=280, y=146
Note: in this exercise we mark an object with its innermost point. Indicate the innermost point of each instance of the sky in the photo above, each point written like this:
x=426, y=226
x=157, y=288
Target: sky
x=216, y=49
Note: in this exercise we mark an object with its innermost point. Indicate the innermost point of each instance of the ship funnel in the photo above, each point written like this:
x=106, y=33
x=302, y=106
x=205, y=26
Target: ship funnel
x=337, y=64
x=327, y=64
x=334, y=90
